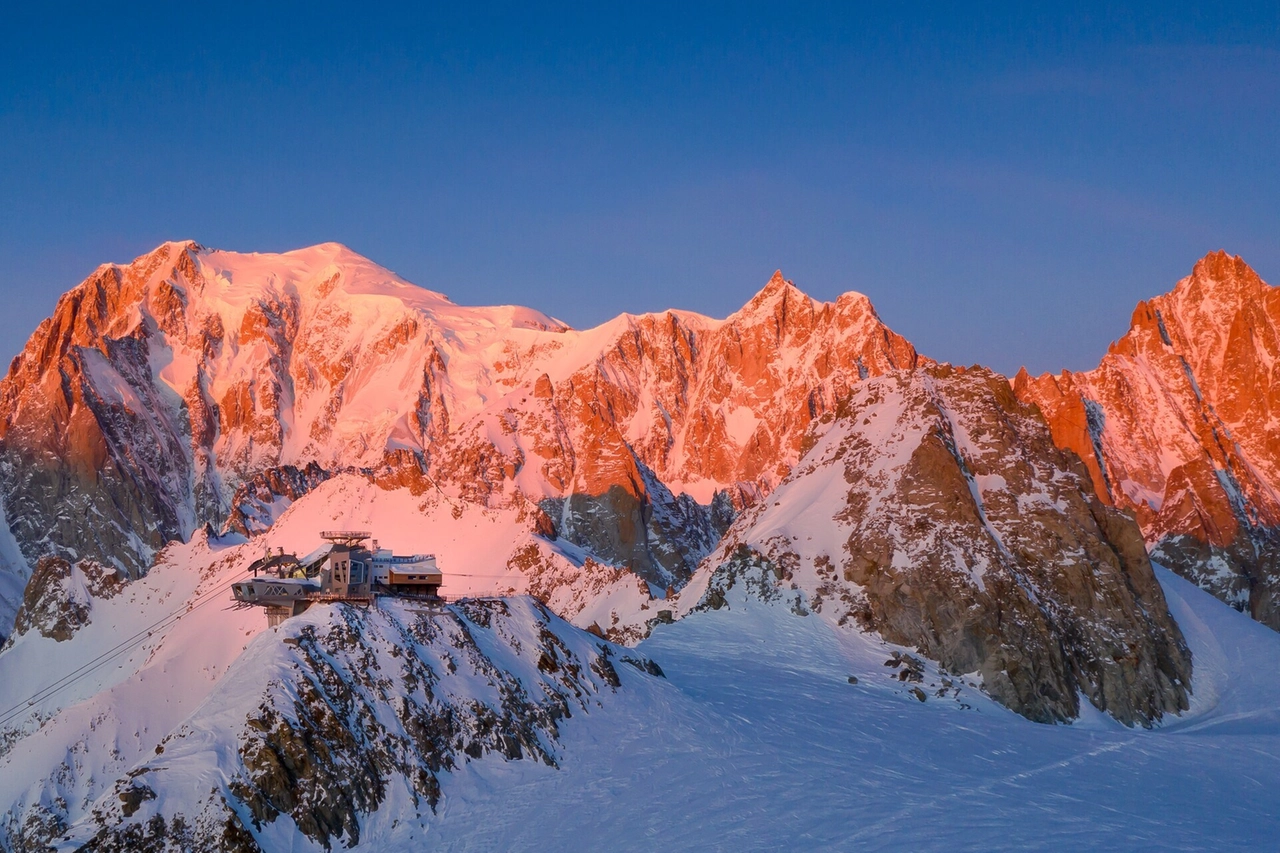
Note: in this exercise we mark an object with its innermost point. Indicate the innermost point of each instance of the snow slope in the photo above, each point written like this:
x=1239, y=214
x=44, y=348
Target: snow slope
x=756, y=738
x=339, y=726
x=761, y=743
x=473, y=547
x=14, y=574
x=65, y=750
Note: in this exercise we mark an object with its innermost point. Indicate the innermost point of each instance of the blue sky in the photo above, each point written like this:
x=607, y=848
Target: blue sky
x=1004, y=183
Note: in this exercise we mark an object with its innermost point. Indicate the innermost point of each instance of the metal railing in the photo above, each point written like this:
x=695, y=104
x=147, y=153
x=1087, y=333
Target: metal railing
x=346, y=535
x=454, y=597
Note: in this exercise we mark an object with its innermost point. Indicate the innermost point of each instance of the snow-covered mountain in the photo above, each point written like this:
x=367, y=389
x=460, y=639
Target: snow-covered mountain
x=158, y=389
x=303, y=732
x=1180, y=424
x=793, y=475
x=747, y=724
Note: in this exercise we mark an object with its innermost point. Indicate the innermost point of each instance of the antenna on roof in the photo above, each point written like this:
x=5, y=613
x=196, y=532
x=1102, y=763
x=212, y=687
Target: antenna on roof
x=350, y=538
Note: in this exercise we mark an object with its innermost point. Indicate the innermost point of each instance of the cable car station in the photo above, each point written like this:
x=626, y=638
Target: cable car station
x=343, y=569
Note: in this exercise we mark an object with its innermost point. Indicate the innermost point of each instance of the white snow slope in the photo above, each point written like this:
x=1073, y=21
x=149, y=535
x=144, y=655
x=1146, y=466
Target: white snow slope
x=757, y=740
x=761, y=743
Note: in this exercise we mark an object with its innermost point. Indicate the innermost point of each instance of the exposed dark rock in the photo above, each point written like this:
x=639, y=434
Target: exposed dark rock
x=259, y=499
x=374, y=699
x=971, y=537
x=58, y=600
x=132, y=798
x=650, y=531
x=757, y=574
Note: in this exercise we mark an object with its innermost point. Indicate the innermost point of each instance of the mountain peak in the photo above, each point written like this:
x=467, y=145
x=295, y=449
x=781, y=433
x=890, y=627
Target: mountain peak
x=777, y=289
x=1222, y=265
x=1219, y=273
x=777, y=283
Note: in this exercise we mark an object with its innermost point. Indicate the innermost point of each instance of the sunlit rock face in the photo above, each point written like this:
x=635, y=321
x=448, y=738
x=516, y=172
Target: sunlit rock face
x=202, y=388
x=934, y=508
x=1179, y=424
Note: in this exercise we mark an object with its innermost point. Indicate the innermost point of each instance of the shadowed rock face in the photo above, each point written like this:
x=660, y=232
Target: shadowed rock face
x=935, y=509
x=258, y=500
x=659, y=536
x=58, y=600
x=1178, y=425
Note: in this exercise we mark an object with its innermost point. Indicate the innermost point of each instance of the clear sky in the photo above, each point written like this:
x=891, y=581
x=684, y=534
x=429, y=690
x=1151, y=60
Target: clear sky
x=1004, y=183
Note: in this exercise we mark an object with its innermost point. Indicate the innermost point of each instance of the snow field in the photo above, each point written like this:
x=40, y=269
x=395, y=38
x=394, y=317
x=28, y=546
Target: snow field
x=761, y=743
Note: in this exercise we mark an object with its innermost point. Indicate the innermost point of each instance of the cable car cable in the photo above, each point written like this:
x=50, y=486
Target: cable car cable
x=134, y=640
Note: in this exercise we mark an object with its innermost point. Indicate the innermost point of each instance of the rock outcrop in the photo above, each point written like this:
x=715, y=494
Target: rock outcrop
x=59, y=597
x=660, y=536
x=324, y=724
x=934, y=508
x=1178, y=425
x=259, y=500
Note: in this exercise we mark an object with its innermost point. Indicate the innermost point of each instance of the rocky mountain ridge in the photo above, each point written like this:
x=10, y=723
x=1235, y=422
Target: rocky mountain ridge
x=1180, y=424
x=346, y=718
x=177, y=415
x=208, y=388
x=934, y=510
x=159, y=388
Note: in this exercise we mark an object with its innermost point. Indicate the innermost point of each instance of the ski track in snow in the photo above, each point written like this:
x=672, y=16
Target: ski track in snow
x=759, y=742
